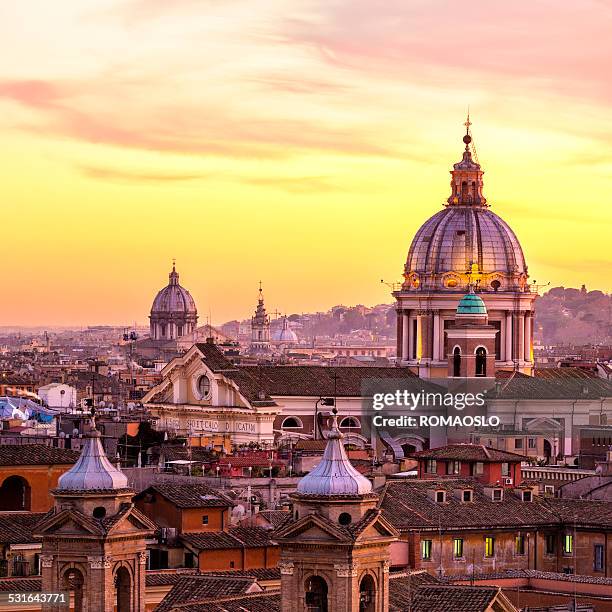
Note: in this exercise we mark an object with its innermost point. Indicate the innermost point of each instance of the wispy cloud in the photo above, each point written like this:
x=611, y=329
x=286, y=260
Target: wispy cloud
x=121, y=175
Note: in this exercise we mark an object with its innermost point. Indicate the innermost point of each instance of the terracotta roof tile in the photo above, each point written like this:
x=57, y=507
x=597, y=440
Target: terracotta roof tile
x=469, y=452
x=36, y=454
x=17, y=527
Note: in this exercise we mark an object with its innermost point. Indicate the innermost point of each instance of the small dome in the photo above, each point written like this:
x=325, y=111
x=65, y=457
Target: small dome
x=173, y=298
x=471, y=304
x=93, y=470
x=334, y=475
x=285, y=333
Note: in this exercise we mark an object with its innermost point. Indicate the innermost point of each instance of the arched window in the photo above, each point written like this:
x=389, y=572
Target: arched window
x=15, y=494
x=292, y=423
x=124, y=591
x=464, y=189
x=179, y=331
x=456, y=361
x=315, y=594
x=367, y=594
x=163, y=330
x=349, y=422
x=481, y=361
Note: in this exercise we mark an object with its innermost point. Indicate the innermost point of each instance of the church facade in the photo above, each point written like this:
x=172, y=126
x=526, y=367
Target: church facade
x=203, y=394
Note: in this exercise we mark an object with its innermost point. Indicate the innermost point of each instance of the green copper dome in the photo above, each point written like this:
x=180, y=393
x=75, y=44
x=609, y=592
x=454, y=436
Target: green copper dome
x=471, y=304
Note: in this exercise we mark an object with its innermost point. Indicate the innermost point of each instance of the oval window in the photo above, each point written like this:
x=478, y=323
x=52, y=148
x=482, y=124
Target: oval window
x=203, y=386
x=345, y=518
x=99, y=512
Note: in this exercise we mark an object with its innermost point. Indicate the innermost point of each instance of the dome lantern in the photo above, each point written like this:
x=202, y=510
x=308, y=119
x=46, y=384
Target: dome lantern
x=334, y=474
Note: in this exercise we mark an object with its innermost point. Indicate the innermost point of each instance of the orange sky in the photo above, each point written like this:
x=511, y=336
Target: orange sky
x=300, y=142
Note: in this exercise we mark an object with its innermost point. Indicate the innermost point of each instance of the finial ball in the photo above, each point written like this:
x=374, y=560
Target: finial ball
x=467, y=139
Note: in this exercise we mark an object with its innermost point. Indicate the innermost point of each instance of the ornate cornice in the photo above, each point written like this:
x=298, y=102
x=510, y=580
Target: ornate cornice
x=100, y=562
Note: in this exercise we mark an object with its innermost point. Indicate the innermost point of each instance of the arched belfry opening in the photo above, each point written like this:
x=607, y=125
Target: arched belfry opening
x=15, y=494
x=367, y=594
x=315, y=591
x=481, y=361
x=123, y=586
x=456, y=361
x=72, y=583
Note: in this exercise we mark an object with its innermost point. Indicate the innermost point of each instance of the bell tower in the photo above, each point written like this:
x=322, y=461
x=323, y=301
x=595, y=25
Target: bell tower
x=93, y=541
x=260, y=327
x=335, y=551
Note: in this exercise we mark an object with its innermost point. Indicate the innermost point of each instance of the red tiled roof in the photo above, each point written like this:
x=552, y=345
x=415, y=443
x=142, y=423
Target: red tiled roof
x=407, y=505
x=36, y=454
x=469, y=452
x=187, y=495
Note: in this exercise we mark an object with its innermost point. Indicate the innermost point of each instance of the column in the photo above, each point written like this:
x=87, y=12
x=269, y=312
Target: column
x=508, y=351
x=436, y=336
x=520, y=321
x=527, y=336
x=405, y=335
x=419, y=337
x=410, y=335
x=399, y=336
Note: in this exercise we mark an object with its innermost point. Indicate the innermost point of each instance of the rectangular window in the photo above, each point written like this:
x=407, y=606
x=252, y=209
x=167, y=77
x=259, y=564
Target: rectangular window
x=505, y=469
x=205, y=519
x=453, y=467
x=458, y=548
x=489, y=546
x=431, y=466
x=518, y=442
x=519, y=545
x=497, y=494
x=551, y=544
x=526, y=496
x=598, y=558
x=532, y=443
x=568, y=544
x=477, y=468
x=440, y=496
x=549, y=490
x=426, y=550
x=467, y=495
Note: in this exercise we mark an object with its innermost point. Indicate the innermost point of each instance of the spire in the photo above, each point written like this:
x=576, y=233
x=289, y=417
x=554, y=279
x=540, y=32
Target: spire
x=466, y=183
x=334, y=475
x=93, y=471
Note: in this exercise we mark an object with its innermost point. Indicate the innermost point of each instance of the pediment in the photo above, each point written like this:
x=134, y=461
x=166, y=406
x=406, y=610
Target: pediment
x=132, y=521
x=69, y=522
x=313, y=527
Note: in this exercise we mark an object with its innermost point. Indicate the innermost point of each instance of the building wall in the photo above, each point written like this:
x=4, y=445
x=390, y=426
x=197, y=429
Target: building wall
x=218, y=519
x=491, y=472
x=40, y=478
x=241, y=558
x=166, y=514
x=581, y=561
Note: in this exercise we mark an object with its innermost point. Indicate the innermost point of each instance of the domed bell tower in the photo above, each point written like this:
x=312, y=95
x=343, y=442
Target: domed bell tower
x=471, y=340
x=335, y=552
x=93, y=541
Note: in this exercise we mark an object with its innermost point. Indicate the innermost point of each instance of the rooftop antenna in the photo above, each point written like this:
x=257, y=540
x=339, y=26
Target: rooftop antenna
x=468, y=138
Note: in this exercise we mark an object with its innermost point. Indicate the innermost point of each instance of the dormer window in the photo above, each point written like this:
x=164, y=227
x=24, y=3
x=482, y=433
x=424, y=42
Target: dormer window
x=497, y=495
x=527, y=496
x=467, y=495
x=440, y=497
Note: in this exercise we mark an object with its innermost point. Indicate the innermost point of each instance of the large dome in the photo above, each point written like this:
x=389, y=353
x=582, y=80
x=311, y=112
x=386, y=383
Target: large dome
x=465, y=243
x=173, y=298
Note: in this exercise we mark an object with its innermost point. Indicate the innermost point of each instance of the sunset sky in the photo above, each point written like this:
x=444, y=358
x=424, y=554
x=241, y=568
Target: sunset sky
x=300, y=142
